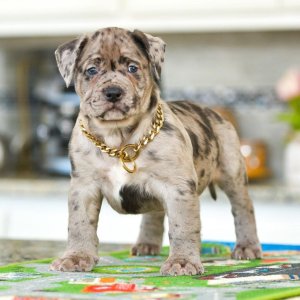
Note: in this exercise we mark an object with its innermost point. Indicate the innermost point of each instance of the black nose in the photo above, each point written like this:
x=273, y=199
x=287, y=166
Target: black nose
x=113, y=93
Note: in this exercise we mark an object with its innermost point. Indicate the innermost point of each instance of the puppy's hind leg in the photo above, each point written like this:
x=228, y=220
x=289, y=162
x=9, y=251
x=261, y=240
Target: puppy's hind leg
x=151, y=233
x=233, y=181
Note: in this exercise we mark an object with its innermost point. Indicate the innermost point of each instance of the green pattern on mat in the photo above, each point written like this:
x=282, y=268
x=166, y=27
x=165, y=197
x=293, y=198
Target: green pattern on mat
x=176, y=281
x=124, y=254
x=19, y=268
x=123, y=269
x=209, y=270
x=269, y=294
x=66, y=287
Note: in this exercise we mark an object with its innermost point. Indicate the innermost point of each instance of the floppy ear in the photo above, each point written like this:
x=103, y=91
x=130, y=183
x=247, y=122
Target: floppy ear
x=66, y=57
x=154, y=48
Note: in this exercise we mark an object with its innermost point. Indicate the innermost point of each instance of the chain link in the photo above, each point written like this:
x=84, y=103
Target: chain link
x=123, y=153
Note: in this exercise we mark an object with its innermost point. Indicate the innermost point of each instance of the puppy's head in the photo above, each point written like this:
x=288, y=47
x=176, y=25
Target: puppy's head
x=114, y=70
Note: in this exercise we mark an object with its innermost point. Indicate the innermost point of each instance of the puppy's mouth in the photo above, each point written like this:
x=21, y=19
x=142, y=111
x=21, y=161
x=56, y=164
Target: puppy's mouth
x=114, y=113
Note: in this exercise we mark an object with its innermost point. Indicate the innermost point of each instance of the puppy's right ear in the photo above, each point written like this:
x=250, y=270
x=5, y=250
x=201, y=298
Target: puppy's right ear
x=67, y=56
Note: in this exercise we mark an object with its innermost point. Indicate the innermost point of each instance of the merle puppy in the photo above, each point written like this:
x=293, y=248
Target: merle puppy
x=145, y=155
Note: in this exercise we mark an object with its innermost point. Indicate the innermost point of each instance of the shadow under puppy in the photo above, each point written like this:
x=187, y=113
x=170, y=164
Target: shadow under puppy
x=145, y=155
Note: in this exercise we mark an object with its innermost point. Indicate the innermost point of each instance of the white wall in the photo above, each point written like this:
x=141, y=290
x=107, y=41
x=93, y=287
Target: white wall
x=249, y=60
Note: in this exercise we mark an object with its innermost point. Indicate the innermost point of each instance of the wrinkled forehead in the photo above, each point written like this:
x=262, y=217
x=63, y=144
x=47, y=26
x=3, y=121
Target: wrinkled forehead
x=112, y=43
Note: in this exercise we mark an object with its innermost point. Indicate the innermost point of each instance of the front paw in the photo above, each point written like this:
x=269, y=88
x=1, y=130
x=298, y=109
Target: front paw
x=145, y=249
x=75, y=262
x=248, y=252
x=181, y=266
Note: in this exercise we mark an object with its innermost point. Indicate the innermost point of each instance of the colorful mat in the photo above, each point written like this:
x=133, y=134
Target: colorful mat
x=121, y=276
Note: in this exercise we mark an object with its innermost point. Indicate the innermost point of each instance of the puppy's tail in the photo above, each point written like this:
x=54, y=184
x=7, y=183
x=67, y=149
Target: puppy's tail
x=212, y=191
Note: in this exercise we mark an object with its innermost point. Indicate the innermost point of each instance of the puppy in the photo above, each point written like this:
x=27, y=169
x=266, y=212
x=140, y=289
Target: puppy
x=145, y=155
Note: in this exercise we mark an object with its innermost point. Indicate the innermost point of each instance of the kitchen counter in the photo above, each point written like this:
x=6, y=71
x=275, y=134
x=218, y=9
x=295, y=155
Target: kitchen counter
x=12, y=251
x=36, y=209
x=262, y=191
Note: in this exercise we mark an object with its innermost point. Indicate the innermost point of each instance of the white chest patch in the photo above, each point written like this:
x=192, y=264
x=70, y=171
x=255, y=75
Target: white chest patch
x=116, y=177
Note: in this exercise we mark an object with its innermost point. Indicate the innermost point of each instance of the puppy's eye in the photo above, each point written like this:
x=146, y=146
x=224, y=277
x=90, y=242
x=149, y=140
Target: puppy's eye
x=132, y=69
x=91, y=71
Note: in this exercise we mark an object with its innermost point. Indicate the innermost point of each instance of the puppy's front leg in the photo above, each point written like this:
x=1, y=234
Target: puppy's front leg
x=184, y=235
x=82, y=250
x=151, y=233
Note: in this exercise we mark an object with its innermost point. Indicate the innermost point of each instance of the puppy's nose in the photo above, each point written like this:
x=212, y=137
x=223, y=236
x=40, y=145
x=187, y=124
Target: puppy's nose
x=113, y=93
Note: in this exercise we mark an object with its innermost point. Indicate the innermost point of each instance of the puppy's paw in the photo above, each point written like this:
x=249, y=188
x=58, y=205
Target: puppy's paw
x=181, y=266
x=75, y=262
x=247, y=252
x=145, y=249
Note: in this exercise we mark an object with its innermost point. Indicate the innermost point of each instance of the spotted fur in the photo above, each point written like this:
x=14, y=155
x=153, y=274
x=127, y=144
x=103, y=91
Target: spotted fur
x=196, y=148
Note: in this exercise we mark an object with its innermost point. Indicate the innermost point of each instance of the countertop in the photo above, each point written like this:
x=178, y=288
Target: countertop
x=12, y=251
x=262, y=191
x=36, y=210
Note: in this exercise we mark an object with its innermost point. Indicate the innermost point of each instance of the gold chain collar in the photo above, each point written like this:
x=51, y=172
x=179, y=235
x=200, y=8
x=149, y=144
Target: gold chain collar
x=129, y=152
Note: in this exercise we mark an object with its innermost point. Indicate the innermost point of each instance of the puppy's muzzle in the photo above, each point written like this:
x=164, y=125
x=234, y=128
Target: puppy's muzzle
x=113, y=94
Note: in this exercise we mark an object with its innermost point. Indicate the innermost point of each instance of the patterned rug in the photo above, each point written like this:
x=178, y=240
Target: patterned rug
x=121, y=276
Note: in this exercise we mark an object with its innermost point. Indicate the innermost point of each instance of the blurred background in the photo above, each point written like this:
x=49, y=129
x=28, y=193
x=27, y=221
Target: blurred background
x=240, y=57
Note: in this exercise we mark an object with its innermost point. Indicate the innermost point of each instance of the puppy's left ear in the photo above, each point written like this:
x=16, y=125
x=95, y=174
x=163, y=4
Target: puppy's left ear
x=154, y=47
x=67, y=56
